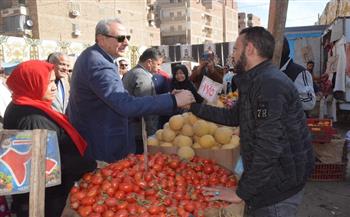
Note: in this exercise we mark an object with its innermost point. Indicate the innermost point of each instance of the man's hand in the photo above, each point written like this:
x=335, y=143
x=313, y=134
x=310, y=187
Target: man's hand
x=183, y=98
x=222, y=193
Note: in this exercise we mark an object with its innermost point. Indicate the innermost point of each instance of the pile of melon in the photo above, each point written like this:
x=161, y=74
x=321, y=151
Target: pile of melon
x=188, y=132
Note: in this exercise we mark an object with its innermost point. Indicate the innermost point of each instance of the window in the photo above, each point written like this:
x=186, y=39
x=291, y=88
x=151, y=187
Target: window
x=171, y=1
x=179, y=14
x=172, y=29
x=179, y=27
x=22, y=2
x=171, y=14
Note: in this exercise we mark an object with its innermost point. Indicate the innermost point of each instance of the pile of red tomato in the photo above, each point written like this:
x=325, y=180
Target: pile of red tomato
x=170, y=187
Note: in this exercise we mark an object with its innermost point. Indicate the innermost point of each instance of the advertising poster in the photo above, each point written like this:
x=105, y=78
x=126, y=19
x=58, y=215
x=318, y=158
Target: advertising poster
x=15, y=161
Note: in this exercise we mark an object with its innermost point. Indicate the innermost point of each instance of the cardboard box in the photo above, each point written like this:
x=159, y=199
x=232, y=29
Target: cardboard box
x=224, y=157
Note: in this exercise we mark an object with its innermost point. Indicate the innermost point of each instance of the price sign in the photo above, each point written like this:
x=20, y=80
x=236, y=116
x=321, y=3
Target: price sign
x=209, y=89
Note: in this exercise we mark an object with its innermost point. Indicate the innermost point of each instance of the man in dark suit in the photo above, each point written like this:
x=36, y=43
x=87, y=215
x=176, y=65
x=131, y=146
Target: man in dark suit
x=138, y=82
x=61, y=62
x=99, y=106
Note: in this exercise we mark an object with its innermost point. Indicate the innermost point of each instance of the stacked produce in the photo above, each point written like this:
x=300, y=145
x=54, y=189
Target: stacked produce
x=229, y=99
x=170, y=187
x=188, y=132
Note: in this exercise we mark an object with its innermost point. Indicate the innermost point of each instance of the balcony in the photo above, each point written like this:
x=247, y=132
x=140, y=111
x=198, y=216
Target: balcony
x=169, y=19
x=173, y=33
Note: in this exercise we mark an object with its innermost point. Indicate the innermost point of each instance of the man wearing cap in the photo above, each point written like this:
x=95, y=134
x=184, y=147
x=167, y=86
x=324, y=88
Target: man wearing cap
x=208, y=68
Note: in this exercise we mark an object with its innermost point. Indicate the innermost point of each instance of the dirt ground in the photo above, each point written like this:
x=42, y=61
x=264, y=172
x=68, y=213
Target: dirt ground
x=328, y=199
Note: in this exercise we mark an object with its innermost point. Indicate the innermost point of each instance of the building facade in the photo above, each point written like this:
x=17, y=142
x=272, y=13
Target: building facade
x=334, y=9
x=247, y=20
x=75, y=20
x=196, y=22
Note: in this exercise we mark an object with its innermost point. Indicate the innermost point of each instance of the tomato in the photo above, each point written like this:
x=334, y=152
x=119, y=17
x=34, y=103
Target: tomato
x=150, y=192
x=120, y=195
x=121, y=213
x=84, y=211
x=115, y=183
x=132, y=208
x=141, y=183
x=87, y=201
x=79, y=195
x=189, y=207
x=108, y=213
x=131, y=197
x=98, y=208
x=178, y=195
x=106, y=172
x=111, y=202
x=96, y=179
x=153, y=209
x=208, y=169
x=169, y=187
x=213, y=180
x=174, y=164
x=122, y=204
x=92, y=192
x=126, y=187
x=87, y=177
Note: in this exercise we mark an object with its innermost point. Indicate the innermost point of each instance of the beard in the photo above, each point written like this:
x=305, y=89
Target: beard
x=239, y=65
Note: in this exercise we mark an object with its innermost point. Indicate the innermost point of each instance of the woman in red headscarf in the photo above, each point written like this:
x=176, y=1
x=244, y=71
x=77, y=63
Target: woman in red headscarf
x=33, y=88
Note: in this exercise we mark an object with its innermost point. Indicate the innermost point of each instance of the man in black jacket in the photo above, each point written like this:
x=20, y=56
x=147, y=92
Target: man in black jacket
x=275, y=142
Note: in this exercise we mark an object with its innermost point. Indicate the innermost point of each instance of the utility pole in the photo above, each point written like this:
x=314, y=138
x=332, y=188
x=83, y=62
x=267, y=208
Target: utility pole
x=277, y=21
x=186, y=11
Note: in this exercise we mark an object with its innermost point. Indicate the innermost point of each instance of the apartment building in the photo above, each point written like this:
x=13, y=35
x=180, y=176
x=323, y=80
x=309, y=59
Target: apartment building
x=247, y=20
x=75, y=20
x=334, y=9
x=196, y=21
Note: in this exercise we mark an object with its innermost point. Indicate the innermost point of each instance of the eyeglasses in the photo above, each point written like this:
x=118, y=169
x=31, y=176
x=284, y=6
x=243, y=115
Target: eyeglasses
x=124, y=65
x=119, y=38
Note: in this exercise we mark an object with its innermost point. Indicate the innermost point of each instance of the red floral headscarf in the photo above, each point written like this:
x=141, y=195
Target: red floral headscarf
x=28, y=83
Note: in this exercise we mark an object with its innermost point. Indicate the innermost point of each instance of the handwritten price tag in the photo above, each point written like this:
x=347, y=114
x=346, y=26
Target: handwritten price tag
x=209, y=89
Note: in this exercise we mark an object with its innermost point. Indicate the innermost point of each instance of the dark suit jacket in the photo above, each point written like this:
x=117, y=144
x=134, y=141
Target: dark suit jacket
x=138, y=82
x=57, y=104
x=99, y=107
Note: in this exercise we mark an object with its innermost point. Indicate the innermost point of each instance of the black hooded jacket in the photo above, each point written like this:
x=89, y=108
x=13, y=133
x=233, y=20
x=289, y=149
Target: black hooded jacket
x=276, y=147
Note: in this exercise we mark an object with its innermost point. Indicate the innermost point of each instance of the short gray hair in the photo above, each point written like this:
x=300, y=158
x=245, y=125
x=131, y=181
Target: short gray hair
x=103, y=26
x=54, y=58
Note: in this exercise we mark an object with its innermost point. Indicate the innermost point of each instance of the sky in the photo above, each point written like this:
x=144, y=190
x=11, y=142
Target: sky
x=300, y=12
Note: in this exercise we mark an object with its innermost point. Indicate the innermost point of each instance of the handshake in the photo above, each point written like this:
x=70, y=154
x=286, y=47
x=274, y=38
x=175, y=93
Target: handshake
x=184, y=98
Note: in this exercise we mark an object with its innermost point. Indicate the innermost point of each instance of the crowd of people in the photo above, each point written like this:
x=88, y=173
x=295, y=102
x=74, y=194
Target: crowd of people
x=97, y=110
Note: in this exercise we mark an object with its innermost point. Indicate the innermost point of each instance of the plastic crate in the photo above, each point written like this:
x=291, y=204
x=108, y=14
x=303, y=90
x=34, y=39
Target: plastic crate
x=322, y=134
x=329, y=172
x=315, y=122
x=321, y=130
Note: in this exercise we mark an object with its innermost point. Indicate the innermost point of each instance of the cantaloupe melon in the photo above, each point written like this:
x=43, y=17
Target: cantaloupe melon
x=159, y=134
x=192, y=118
x=207, y=141
x=152, y=141
x=201, y=128
x=182, y=140
x=235, y=140
x=185, y=153
x=212, y=128
x=176, y=122
x=168, y=135
x=187, y=130
x=223, y=135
